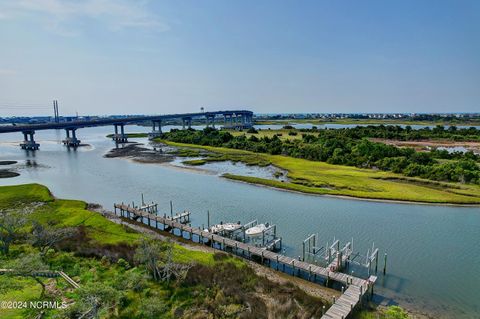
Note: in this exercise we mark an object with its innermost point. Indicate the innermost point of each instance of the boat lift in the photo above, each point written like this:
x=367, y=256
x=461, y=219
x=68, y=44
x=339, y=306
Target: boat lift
x=336, y=258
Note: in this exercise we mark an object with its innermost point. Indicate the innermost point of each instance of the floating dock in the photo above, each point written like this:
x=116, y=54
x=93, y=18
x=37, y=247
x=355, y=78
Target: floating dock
x=356, y=288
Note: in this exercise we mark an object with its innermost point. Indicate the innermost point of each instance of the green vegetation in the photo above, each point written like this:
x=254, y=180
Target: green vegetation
x=392, y=312
x=326, y=179
x=419, y=120
x=196, y=162
x=187, y=152
x=96, y=230
x=126, y=274
x=11, y=196
x=282, y=134
x=17, y=289
x=403, y=134
x=351, y=147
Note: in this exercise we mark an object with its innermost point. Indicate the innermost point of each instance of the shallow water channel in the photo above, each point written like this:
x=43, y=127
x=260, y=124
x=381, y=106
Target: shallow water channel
x=433, y=251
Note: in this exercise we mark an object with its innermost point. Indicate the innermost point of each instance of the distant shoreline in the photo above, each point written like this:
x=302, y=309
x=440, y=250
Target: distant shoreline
x=315, y=121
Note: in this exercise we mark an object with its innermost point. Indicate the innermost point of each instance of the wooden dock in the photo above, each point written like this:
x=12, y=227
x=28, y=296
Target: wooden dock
x=356, y=288
x=342, y=307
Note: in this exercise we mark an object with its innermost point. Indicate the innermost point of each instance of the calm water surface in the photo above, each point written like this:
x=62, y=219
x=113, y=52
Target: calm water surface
x=433, y=251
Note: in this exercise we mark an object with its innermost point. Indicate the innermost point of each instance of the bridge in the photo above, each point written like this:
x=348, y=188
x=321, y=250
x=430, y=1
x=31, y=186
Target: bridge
x=236, y=119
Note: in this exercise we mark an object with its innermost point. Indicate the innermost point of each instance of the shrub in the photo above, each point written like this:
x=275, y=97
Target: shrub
x=123, y=264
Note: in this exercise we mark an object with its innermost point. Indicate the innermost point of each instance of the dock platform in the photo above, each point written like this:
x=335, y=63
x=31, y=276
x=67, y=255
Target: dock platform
x=356, y=288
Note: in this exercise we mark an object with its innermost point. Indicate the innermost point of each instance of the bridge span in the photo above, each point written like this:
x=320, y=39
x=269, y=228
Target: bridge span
x=236, y=119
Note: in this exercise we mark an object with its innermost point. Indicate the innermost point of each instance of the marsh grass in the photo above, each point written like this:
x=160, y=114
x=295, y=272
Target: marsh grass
x=322, y=178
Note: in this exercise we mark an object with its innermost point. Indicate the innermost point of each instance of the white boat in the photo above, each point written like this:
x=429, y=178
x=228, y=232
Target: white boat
x=256, y=231
x=227, y=227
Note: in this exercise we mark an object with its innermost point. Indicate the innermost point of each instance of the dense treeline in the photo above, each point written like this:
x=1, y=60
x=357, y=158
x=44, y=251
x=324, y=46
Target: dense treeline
x=346, y=148
x=407, y=133
x=438, y=117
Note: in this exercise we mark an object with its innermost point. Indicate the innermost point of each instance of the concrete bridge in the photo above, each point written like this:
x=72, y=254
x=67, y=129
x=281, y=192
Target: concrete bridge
x=236, y=119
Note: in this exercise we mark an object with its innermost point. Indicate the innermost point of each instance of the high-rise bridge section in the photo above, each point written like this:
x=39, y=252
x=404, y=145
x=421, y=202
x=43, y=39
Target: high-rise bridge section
x=236, y=119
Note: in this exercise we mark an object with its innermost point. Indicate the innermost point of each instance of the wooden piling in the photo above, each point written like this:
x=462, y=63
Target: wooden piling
x=354, y=288
x=385, y=264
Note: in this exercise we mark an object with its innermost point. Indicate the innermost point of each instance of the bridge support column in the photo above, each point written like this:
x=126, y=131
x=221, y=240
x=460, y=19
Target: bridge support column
x=120, y=138
x=211, y=120
x=71, y=141
x=155, y=133
x=28, y=141
x=242, y=120
x=234, y=121
x=249, y=120
x=227, y=120
x=187, y=122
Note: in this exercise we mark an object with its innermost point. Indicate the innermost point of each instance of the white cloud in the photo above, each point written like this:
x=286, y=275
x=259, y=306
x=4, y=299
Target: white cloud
x=59, y=15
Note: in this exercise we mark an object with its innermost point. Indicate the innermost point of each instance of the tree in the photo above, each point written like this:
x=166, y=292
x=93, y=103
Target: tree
x=149, y=253
x=152, y=308
x=157, y=257
x=11, y=221
x=29, y=266
x=96, y=298
x=46, y=236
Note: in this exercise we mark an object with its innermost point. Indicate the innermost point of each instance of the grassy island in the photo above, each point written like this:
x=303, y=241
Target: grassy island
x=388, y=172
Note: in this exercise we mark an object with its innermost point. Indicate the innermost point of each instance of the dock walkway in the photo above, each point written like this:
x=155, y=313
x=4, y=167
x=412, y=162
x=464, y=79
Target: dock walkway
x=48, y=274
x=356, y=287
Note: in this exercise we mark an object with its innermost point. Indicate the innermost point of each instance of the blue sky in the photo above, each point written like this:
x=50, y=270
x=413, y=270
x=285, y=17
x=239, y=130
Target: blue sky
x=114, y=56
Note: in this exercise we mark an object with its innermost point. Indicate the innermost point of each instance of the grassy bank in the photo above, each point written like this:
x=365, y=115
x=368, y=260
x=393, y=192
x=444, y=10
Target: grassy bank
x=322, y=178
x=100, y=259
x=96, y=230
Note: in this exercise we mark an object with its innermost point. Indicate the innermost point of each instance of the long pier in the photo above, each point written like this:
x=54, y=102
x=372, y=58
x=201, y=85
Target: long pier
x=356, y=289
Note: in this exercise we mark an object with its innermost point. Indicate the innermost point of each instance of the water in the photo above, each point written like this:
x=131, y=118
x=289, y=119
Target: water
x=433, y=251
x=456, y=149
x=229, y=167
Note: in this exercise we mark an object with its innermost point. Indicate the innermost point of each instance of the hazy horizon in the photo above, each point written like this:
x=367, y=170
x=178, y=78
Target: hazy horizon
x=100, y=57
